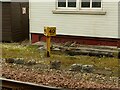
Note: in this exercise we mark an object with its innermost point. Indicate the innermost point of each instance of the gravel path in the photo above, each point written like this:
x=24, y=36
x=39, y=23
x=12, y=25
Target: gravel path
x=58, y=78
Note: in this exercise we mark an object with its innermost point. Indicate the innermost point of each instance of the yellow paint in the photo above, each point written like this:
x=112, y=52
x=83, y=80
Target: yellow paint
x=50, y=31
x=48, y=45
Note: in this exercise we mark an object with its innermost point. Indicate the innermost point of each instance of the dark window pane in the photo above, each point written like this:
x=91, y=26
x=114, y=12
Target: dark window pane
x=96, y=3
x=85, y=3
x=61, y=3
x=71, y=3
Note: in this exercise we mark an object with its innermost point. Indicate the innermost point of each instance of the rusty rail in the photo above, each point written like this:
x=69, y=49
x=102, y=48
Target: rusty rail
x=8, y=84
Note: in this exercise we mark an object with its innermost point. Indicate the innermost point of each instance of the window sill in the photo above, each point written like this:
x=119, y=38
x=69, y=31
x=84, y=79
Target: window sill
x=84, y=12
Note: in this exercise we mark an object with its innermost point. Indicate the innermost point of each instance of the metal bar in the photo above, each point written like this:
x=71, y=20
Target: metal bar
x=19, y=85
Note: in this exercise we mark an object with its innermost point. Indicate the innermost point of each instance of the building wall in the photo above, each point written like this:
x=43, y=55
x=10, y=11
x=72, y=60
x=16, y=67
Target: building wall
x=6, y=21
x=119, y=19
x=75, y=24
x=20, y=27
x=17, y=32
x=15, y=25
x=0, y=21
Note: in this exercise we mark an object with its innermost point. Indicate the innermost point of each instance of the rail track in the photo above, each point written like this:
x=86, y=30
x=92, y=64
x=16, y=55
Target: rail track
x=8, y=84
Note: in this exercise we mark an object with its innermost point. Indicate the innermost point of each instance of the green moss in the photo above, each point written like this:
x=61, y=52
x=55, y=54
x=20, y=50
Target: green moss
x=19, y=51
x=28, y=52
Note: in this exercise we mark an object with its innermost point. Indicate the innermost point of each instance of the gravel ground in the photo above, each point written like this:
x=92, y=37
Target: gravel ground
x=58, y=78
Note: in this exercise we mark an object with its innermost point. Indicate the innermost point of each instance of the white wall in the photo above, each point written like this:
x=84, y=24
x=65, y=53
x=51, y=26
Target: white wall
x=119, y=19
x=75, y=24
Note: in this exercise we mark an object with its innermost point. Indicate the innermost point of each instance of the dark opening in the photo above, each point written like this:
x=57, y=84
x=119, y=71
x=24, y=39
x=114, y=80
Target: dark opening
x=71, y=3
x=85, y=3
x=96, y=3
x=61, y=3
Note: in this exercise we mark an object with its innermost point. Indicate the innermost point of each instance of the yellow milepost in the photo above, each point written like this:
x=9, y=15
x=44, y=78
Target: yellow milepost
x=48, y=45
x=48, y=32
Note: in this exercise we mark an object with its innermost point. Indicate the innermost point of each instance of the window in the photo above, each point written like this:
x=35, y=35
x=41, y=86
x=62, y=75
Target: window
x=79, y=4
x=67, y=3
x=96, y=3
x=61, y=3
x=71, y=3
x=90, y=3
x=85, y=3
x=87, y=7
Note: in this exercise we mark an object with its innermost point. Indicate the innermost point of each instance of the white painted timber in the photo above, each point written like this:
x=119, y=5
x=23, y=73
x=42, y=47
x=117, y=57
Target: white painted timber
x=41, y=14
x=119, y=19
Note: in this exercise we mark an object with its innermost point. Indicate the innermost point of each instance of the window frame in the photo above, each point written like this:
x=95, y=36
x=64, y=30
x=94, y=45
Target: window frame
x=93, y=8
x=68, y=8
x=78, y=6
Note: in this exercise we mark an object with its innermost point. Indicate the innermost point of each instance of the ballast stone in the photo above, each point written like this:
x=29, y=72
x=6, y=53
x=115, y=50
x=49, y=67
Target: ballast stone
x=55, y=64
x=75, y=67
x=82, y=68
x=87, y=68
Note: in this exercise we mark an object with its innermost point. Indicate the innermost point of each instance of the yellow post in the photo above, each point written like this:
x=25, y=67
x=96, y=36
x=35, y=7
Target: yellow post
x=48, y=45
x=48, y=32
